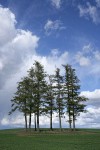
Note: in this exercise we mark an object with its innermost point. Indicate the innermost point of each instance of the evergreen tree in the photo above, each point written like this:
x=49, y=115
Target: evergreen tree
x=50, y=100
x=40, y=89
x=31, y=76
x=67, y=93
x=22, y=98
x=74, y=101
x=59, y=95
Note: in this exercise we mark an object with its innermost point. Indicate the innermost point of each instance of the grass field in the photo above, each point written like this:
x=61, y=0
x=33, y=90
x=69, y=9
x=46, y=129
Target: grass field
x=17, y=139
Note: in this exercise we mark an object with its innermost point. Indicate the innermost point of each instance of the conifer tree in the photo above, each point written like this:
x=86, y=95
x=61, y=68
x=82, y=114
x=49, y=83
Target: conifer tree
x=74, y=101
x=40, y=89
x=67, y=82
x=31, y=76
x=50, y=100
x=59, y=95
x=21, y=99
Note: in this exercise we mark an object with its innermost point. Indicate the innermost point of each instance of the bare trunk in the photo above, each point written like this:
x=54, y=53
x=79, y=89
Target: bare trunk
x=70, y=120
x=60, y=126
x=73, y=120
x=51, y=120
x=30, y=120
x=38, y=121
x=35, y=121
x=25, y=122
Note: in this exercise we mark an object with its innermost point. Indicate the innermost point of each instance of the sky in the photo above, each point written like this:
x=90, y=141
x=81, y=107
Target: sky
x=54, y=32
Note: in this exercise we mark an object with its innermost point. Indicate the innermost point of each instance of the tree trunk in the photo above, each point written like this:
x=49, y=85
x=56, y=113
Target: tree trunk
x=25, y=122
x=35, y=121
x=60, y=126
x=38, y=121
x=70, y=121
x=51, y=120
x=73, y=120
x=69, y=111
x=74, y=124
x=30, y=120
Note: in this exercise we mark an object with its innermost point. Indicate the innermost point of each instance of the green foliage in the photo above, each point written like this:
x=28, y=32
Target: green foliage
x=58, y=81
x=49, y=104
x=74, y=102
x=40, y=94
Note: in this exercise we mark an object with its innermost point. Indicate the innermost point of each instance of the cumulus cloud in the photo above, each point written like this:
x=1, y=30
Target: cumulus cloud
x=50, y=62
x=18, y=121
x=7, y=26
x=83, y=57
x=89, y=56
x=56, y=3
x=89, y=119
x=90, y=12
x=93, y=96
x=15, y=45
x=97, y=55
x=82, y=60
x=55, y=52
x=52, y=26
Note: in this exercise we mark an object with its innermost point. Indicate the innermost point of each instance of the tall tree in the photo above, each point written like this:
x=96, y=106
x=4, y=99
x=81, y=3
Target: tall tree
x=59, y=95
x=20, y=101
x=50, y=100
x=67, y=93
x=74, y=101
x=31, y=76
x=40, y=89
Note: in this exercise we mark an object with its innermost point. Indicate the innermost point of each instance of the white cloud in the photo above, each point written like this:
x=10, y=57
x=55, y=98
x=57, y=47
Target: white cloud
x=25, y=40
x=92, y=95
x=7, y=26
x=90, y=11
x=56, y=3
x=1, y=65
x=89, y=56
x=49, y=62
x=55, y=52
x=4, y=121
x=89, y=119
x=82, y=60
x=15, y=45
x=52, y=26
x=87, y=63
x=17, y=120
x=97, y=55
x=83, y=57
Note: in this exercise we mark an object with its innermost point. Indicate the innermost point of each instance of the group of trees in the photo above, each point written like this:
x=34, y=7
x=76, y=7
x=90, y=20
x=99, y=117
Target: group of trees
x=39, y=93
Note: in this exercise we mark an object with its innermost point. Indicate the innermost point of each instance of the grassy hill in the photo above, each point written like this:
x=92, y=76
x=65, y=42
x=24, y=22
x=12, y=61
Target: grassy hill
x=18, y=139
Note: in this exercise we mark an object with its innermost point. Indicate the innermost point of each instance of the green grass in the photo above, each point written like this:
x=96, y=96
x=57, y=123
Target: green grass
x=16, y=139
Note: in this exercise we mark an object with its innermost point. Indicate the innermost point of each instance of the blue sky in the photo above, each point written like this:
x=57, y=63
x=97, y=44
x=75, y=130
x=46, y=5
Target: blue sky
x=54, y=32
x=78, y=31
